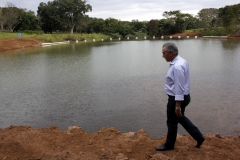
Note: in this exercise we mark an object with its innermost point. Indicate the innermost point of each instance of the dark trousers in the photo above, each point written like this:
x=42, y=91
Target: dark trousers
x=173, y=120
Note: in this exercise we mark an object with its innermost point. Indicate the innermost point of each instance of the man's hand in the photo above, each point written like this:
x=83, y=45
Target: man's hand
x=178, y=111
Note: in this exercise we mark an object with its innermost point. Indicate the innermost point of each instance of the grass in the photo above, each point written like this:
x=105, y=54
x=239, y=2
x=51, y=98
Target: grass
x=57, y=37
x=194, y=30
x=13, y=35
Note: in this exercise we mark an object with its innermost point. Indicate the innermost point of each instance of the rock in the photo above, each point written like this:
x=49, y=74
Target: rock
x=159, y=156
x=121, y=156
x=218, y=135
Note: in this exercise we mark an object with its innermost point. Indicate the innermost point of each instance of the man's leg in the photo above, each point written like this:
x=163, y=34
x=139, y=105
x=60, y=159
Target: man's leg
x=172, y=122
x=188, y=125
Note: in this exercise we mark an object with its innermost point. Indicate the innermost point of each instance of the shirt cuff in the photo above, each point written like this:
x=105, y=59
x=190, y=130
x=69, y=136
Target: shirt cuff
x=179, y=97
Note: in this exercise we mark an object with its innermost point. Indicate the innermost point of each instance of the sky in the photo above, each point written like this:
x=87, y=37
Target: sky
x=128, y=10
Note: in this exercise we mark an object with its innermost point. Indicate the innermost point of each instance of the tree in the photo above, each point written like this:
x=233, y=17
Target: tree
x=153, y=27
x=11, y=14
x=50, y=16
x=111, y=26
x=180, y=21
x=2, y=18
x=230, y=16
x=125, y=29
x=139, y=26
x=82, y=24
x=73, y=11
x=96, y=25
x=207, y=17
x=62, y=14
x=166, y=27
x=28, y=21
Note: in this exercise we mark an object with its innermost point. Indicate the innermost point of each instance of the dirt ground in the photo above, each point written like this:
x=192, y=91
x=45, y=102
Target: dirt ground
x=50, y=143
x=18, y=43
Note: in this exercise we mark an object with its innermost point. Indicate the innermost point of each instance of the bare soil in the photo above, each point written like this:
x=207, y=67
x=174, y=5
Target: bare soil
x=51, y=143
x=18, y=43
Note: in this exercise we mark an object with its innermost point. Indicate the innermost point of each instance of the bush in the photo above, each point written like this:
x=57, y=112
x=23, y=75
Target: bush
x=32, y=32
x=216, y=31
x=70, y=37
x=116, y=35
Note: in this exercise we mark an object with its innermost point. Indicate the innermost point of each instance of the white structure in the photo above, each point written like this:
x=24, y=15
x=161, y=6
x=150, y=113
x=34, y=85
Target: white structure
x=154, y=37
x=136, y=37
x=119, y=39
x=145, y=37
x=187, y=36
x=170, y=37
x=102, y=40
x=179, y=37
x=110, y=39
x=162, y=37
x=196, y=37
x=127, y=38
x=76, y=41
x=94, y=40
x=85, y=40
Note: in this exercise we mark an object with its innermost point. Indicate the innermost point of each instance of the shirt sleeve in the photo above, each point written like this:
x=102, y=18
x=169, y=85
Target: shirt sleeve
x=179, y=81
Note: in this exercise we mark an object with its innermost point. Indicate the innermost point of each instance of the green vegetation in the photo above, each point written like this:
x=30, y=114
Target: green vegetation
x=215, y=31
x=13, y=35
x=194, y=30
x=56, y=37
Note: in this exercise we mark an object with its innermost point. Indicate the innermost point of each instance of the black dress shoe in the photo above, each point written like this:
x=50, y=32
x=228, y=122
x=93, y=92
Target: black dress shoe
x=199, y=143
x=164, y=148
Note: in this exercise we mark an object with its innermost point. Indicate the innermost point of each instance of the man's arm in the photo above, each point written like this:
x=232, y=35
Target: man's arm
x=179, y=82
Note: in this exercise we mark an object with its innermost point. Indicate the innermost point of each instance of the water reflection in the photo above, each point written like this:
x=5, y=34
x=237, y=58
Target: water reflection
x=230, y=44
x=118, y=84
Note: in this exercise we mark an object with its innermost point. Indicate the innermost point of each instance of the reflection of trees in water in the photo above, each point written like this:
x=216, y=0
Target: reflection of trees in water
x=230, y=44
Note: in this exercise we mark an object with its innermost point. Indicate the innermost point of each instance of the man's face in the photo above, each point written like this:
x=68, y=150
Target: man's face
x=167, y=55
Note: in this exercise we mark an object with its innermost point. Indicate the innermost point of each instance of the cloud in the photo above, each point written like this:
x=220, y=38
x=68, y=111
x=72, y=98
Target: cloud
x=134, y=9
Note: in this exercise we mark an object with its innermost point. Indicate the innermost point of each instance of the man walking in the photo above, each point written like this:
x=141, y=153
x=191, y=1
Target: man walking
x=177, y=87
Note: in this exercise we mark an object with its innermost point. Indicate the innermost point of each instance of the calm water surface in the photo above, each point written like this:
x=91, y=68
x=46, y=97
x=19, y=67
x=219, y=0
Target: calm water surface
x=119, y=84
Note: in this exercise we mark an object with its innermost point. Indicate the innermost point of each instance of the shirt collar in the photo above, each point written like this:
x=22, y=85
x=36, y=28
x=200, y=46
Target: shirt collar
x=175, y=59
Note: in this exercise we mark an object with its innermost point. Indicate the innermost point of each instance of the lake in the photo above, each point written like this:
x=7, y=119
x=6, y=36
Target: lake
x=119, y=84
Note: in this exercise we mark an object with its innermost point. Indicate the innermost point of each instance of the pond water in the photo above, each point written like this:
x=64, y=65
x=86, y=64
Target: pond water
x=119, y=84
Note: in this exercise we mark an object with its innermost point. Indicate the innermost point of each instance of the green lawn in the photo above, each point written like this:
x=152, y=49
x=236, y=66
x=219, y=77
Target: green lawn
x=12, y=35
x=57, y=37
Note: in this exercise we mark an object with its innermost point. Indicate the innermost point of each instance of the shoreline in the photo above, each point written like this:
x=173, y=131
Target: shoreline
x=54, y=43
x=9, y=44
x=51, y=143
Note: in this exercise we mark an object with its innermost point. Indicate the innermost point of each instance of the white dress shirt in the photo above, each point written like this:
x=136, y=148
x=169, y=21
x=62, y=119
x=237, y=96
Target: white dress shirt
x=177, y=81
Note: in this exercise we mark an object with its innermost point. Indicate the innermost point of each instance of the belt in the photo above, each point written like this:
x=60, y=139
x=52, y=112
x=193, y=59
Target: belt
x=174, y=96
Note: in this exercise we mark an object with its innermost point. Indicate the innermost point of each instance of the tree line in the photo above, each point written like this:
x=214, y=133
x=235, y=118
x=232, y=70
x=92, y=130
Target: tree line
x=70, y=16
